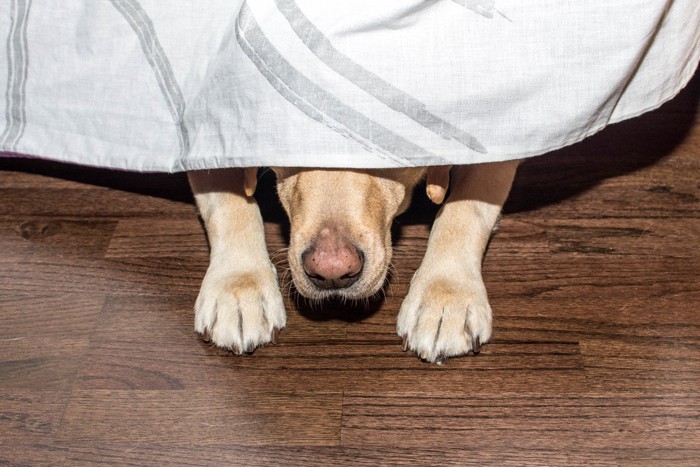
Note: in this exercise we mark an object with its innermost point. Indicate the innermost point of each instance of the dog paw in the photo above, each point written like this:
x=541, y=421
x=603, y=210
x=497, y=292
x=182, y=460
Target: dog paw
x=442, y=318
x=239, y=311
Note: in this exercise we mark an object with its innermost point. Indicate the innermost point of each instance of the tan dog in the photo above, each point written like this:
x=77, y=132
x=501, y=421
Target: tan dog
x=341, y=246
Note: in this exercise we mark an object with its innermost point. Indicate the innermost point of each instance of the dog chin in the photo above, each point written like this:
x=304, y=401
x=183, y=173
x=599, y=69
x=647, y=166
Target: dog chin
x=357, y=292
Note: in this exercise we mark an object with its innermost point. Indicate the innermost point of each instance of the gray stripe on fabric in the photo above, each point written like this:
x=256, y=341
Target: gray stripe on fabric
x=17, y=70
x=372, y=84
x=318, y=103
x=481, y=7
x=142, y=25
x=485, y=8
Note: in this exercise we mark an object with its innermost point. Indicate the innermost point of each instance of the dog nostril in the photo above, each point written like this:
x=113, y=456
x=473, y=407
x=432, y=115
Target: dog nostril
x=333, y=283
x=346, y=280
x=354, y=275
x=333, y=272
x=320, y=281
x=314, y=277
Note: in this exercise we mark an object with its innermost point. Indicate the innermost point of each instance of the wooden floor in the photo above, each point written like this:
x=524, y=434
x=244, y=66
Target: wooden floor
x=594, y=279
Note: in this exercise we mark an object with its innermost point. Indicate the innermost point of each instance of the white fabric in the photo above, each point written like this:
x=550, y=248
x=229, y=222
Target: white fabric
x=171, y=85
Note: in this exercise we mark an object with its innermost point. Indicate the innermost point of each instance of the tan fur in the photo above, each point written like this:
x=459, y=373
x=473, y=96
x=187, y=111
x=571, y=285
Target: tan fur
x=436, y=183
x=360, y=205
x=239, y=306
x=446, y=312
x=250, y=180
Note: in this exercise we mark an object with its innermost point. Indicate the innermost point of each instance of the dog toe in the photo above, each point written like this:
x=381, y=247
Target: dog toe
x=444, y=319
x=239, y=312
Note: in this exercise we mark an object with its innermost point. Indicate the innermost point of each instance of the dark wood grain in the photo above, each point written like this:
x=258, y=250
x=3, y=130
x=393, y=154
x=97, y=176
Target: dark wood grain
x=230, y=416
x=149, y=455
x=523, y=421
x=594, y=279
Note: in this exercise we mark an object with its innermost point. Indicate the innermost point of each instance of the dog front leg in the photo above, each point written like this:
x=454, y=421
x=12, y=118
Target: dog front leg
x=446, y=312
x=239, y=306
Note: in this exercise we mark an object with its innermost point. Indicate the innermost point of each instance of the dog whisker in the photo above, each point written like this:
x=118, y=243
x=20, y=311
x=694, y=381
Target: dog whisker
x=392, y=274
x=279, y=256
x=287, y=282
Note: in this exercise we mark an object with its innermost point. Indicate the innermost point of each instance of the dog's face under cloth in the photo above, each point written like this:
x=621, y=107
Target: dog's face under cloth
x=340, y=241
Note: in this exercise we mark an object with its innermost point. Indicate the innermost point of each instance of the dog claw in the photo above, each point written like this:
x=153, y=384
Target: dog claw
x=404, y=344
x=275, y=334
x=206, y=337
x=476, y=345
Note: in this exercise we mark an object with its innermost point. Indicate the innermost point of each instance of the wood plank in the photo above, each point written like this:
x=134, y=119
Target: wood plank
x=55, y=275
x=313, y=456
x=529, y=421
x=630, y=363
x=41, y=362
x=58, y=316
x=221, y=417
x=653, y=201
x=30, y=416
x=34, y=236
x=655, y=237
x=599, y=318
x=646, y=457
x=86, y=202
x=583, y=276
x=29, y=422
x=33, y=454
x=182, y=238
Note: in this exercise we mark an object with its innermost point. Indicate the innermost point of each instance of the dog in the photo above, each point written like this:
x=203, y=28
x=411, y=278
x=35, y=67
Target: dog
x=340, y=246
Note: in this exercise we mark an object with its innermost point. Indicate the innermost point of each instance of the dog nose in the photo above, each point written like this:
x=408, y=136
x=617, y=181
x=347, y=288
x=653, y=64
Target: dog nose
x=332, y=263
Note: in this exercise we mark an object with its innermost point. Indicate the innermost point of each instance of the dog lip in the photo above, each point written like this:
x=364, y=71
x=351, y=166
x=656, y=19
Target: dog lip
x=358, y=291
